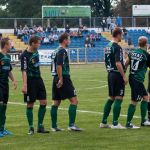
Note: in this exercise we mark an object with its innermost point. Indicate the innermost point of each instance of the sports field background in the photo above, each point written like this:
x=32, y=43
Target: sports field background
x=91, y=84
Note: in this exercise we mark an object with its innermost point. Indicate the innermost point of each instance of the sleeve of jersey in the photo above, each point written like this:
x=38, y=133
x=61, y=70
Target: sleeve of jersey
x=117, y=54
x=60, y=57
x=23, y=63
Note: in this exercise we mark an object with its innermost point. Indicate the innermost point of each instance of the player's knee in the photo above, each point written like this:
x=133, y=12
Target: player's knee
x=74, y=101
x=134, y=103
x=43, y=102
x=56, y=103
x=30, y=105
x=146, y=98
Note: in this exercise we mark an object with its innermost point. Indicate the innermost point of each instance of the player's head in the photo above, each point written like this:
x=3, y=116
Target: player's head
x=34, y=42
x=5, y=44
x=143, y=42
x=64, y=39
x=117, y=34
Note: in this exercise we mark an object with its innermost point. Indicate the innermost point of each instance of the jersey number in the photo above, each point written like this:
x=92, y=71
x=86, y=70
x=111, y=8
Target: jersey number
x=134, y=65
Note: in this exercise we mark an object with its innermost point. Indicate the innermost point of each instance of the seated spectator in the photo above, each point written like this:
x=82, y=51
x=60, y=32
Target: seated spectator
x=87, y=42
x=80, y=28
x=55, y=37
x=85, y=29
x=19, y=33
x=1, y=35
x=80, y=34
x=55, y=29
x=35, y=28
x=15, y=31
x=48, y=29
x=98, y=37
x=12, y=46
x=74, y=34
x=25, y=29
x=40, y=29
x=93, y=37
x=125, y=33
x=99, y=31
x=148, y=31
x=92, y=43
x=46, y=41
x=51, y=39
x=67, y=29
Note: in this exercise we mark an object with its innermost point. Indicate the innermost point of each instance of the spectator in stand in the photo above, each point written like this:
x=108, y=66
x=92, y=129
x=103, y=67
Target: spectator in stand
x=46, y=41
x=80, y=34
x=19, y=33
x=87, y=42
x=148, y=31
x=81, y=28
x=93, y=37
x=25, y=29
x=35, y=28
x=48, y=29
x=74, y=34
x=118, y=21
x=55, y=29
x=51, y=39
x=12, y=46
x=40, y=29
x=103, y=23
x=85, y=29
x=67, y=29
x=15, y=31
x=108, y=22
x=125, y=34
x=92, y=43
x=112, y=26
x=55, y=37
x=1, y=35
x=98, y=36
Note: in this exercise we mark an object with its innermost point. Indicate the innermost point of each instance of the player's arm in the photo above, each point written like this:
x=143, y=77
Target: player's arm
x=127, y=62
x=119, y=66
x=24, y=74
x=11, y=76
x=60, y=62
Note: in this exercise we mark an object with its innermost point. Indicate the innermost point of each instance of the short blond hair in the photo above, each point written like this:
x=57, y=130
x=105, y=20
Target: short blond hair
x=142, y=41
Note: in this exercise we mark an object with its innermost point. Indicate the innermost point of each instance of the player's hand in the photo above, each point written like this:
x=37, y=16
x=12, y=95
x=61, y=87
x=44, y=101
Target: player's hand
x=14, y=84
x=125, y=80
x=60, y=83
x=24, y=89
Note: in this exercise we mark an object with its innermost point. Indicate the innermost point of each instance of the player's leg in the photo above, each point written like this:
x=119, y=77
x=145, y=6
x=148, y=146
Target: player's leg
x=3, y=111
x=149, y=106
x=144, y=105
x=56, y=97
x=29, y=115
x=53, y=113
x=109, y=102
x=41, y=96
x=130, y=114
x=1, y=120
x=72, y=111
x=118, y=92
x=148, y=90
x=107, y=109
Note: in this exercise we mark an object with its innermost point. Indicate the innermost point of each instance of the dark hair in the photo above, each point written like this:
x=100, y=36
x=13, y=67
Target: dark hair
x=4, y=41
x=117, y=31
x=63, y=37
x=34, y=39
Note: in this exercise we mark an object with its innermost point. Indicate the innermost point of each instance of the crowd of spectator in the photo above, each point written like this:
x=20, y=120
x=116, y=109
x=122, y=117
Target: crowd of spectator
x=50, y=35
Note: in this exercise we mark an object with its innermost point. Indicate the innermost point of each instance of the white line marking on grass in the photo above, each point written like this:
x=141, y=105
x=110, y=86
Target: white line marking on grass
x=96, y=87
x=66, y=109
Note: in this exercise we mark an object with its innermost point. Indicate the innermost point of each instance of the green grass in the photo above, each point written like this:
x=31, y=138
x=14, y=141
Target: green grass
x=87, y=79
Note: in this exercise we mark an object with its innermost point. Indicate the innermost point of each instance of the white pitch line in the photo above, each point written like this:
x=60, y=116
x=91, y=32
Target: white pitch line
x=66, y=109
x=99, y=87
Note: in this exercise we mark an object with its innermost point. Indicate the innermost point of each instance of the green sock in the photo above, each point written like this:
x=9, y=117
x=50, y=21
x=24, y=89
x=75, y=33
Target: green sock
x=72, y=114
x=107, y=109
x=131, y=111
x=4, y=115
x=116, y=111
x=41, y=114
x=144, y=106
x=1, y=116
x=54, y=116
x=29, y=114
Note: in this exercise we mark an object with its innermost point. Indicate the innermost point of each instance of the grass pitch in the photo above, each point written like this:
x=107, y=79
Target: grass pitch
x=91, y=85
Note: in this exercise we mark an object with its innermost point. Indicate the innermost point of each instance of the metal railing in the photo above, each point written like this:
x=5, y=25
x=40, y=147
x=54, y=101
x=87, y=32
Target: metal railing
x=95, y=22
